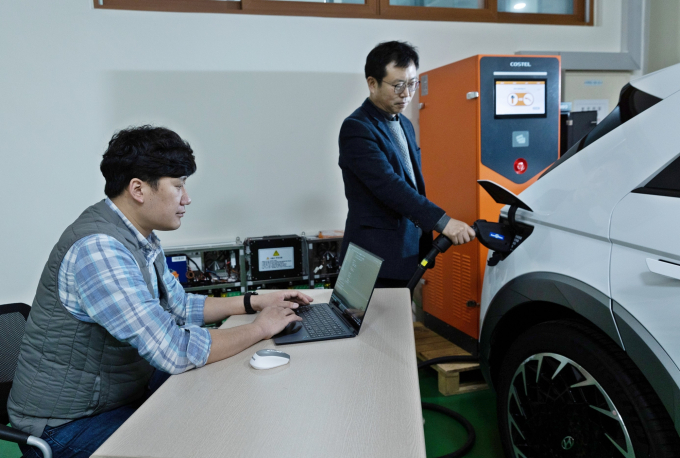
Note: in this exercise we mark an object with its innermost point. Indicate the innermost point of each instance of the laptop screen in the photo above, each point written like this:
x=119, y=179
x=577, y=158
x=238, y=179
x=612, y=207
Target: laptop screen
x=355, y=283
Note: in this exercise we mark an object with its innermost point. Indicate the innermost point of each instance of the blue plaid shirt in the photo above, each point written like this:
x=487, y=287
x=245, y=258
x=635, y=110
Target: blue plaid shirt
x=100, y=282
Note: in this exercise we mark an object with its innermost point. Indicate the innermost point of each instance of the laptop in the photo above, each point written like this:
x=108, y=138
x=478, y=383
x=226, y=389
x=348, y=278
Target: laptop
x=342, y=317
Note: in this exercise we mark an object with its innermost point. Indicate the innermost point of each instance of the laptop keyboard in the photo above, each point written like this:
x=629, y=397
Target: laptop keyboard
x=318, y=322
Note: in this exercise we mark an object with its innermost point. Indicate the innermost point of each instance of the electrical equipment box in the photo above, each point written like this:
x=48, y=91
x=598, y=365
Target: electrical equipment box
x=275, y=258
x=323, y=256
x=215, y=270
x=178, y=267
x=574, y=125
x=273, y=262
x=483, y=118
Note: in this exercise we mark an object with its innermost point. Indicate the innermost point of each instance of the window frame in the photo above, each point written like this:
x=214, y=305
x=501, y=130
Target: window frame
x=432, y=13
x=292, y=8
x=655, y=185
x=371, y=9
x=174, y=6
x=578, y=18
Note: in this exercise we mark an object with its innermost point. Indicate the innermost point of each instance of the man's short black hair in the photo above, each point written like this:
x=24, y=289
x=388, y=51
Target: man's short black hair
x=399, y=52
x=145, y=152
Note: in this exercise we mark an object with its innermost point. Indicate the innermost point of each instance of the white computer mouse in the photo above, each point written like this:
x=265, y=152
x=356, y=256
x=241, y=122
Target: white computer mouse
x=268, y=359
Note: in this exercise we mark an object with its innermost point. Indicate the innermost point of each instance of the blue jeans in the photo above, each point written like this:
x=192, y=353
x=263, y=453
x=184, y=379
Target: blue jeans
x=80, y=438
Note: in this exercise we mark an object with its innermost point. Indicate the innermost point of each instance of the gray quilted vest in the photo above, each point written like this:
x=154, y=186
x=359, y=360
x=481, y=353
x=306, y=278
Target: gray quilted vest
x=67, y=368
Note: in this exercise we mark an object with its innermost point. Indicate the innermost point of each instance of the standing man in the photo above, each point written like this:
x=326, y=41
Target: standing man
x=389, y=214
x=108, y=315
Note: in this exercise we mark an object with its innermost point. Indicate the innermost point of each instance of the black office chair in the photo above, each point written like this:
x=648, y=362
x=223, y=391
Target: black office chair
x=12, y=325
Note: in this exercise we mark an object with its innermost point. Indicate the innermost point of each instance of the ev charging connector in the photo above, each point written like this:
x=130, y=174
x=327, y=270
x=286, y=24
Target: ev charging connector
x=501, y=238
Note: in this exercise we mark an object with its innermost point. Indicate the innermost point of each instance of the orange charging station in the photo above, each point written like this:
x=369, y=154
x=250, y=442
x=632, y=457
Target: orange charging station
x=486, y=117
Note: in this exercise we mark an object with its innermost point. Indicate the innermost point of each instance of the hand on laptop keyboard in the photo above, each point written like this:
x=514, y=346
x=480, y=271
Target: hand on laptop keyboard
x=273, y=319
x=318, y=322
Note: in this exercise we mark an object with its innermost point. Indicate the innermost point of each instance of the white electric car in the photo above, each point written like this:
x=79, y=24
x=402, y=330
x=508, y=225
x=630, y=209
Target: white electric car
x=580, y=332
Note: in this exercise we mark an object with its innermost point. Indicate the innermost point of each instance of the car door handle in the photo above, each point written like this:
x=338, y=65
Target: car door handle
x=665, y=268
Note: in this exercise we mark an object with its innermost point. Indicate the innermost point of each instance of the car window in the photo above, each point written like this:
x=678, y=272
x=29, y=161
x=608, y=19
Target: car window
x=632, y=102
x=665, y=183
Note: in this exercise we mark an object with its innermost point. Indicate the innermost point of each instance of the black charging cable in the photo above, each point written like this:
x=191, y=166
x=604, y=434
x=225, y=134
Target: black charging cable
x=440, y=245
x=464, y=422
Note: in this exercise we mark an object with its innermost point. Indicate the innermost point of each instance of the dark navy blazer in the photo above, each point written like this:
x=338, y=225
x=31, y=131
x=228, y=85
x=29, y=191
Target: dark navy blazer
x=386, y=210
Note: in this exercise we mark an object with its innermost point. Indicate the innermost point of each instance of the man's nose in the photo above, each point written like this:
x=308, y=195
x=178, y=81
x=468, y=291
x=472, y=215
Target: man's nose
x=186, y=200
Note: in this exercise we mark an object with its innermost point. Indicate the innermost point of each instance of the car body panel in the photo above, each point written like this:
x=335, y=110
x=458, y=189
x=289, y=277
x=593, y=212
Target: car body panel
x=661, y=84
x=652, y=360
x=643, y=227
x=589, y=264
x=547, y=287
x=573, y=205
x=581, y=193
x=594, y=235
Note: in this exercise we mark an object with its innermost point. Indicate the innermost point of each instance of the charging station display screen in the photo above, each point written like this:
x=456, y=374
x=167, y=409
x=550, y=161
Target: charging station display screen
x=520, y=98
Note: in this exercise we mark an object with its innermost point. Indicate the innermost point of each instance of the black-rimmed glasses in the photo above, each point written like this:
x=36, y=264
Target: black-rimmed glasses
x=400, y=87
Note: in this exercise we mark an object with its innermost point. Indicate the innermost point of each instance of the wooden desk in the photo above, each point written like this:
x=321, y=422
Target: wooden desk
x=341, y=398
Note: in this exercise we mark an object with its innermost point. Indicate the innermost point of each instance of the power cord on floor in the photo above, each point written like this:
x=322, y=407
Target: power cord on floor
x=440, y=245
x=471, y=435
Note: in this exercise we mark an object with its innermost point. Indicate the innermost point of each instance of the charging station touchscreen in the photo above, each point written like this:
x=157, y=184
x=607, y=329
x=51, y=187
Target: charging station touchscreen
x=520, y=98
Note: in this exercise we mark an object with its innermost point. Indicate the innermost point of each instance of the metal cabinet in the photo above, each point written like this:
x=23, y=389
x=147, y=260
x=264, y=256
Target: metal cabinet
x=215, y=270
x=270, y=262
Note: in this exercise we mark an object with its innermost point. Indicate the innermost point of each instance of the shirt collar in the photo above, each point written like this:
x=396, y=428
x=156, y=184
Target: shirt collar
x=388, y=116
x=150, y=245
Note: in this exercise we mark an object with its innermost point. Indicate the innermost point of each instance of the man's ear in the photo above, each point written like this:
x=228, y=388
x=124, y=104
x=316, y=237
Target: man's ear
x=136, y=190
x=372, y=84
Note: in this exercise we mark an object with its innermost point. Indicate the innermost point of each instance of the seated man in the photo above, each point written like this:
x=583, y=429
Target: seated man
x=107, y=313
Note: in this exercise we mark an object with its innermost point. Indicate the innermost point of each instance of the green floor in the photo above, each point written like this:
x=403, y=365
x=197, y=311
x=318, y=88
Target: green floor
x=442, y=434
x=9, y=450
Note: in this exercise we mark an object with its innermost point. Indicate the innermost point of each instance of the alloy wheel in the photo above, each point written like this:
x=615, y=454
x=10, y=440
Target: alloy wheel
x=556, y=408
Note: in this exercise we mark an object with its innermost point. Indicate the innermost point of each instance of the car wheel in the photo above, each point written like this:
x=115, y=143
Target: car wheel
x=567, y=390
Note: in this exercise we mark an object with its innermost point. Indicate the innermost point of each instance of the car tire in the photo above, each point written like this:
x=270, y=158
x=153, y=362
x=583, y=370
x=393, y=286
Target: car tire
x=566, y=389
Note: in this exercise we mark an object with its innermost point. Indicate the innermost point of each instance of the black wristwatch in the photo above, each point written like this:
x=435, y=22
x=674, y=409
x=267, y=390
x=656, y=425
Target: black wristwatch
x=246, y=303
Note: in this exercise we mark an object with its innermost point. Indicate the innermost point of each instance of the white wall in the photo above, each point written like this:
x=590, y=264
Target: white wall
x=579, y=85
x=260, y=99
x=664, y=34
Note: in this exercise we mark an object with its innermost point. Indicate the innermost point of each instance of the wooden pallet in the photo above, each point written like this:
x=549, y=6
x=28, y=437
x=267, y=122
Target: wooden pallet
x=453, y=378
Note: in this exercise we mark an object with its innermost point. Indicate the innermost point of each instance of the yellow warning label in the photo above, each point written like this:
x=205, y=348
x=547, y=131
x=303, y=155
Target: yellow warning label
x=276, y=253
x=424, y=263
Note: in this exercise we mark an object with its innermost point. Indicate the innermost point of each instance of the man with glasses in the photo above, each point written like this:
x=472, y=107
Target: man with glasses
x=389, y=214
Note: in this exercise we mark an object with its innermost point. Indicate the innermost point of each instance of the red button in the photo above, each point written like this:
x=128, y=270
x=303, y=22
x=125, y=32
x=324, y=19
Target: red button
x=520, y=166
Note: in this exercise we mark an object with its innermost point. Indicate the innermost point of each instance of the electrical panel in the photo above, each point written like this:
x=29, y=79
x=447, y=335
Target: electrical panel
x=323, y=255
x=275, y=258
x=270, y=262
x=215, y=270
